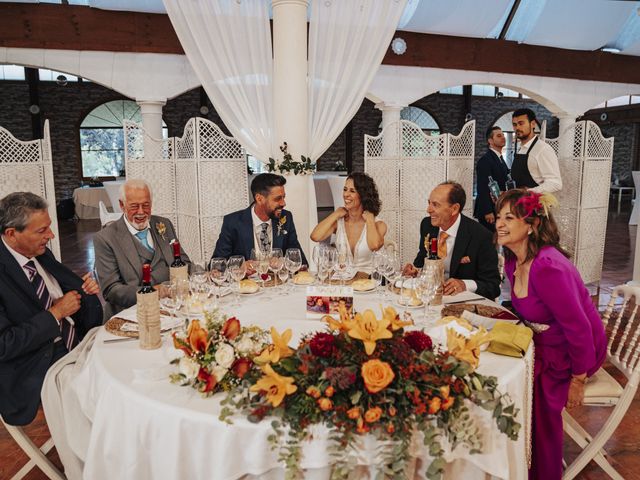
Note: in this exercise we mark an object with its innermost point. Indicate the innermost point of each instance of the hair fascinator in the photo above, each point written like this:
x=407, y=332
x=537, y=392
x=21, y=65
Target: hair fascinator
x=537, y=203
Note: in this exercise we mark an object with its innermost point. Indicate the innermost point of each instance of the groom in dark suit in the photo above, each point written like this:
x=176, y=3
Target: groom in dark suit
x=264, y=223
x=470, y=257
x=45, y=308
x=491, y=164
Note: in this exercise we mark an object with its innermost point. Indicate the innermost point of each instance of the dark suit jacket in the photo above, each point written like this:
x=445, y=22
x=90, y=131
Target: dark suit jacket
x=27, y=332
x=489, y=165
x=236, y=236
x=473, y=241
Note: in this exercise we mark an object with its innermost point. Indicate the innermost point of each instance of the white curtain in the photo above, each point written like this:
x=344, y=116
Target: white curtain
x=347, y=41
x=228, y=44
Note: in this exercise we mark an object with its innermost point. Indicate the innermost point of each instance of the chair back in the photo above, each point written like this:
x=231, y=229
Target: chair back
x=619, y=319
x=113, y=192
x=107, y=217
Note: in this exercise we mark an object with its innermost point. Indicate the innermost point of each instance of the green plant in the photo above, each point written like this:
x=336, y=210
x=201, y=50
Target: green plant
x=288, y=165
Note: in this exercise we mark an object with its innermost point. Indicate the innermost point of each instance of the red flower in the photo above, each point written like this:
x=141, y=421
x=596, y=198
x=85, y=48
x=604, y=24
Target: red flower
x=231, y=328
x=241, y=366
x=418, y=341
x=322, y=344
x=208, y=379
x=531, y=204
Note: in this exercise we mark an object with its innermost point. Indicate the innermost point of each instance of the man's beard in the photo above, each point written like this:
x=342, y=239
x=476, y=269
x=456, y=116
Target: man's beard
x=140, y=226
x=275, y=214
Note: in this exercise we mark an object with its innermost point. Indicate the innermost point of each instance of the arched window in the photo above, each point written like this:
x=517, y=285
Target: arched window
x=102, y=138
x=421, y=118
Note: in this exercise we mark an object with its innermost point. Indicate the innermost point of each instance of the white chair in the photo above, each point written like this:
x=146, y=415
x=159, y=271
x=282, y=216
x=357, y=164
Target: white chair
x=602, y=389
x=635, y=213
x=37, y=456
x=113, y=192
x=107, y=217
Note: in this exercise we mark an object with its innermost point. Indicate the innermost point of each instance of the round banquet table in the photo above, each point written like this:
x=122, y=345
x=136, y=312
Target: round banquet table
x=144, y=427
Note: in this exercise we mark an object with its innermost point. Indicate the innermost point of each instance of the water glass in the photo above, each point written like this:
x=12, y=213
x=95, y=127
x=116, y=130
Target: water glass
x=293, y=260
x=237, y=269
x=218, y=273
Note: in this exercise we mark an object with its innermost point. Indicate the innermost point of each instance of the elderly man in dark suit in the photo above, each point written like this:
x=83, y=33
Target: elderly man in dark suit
x=264, y=224
x=491, y=164
x=122, y=247
x=470, y=258
x=45, y=308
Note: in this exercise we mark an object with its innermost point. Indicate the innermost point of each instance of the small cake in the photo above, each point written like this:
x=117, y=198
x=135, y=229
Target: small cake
x=248, y=286
x=363, y=284
x=303, y=278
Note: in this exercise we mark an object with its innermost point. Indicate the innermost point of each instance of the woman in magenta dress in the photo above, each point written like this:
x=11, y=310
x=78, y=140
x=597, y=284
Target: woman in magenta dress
x=547, y=289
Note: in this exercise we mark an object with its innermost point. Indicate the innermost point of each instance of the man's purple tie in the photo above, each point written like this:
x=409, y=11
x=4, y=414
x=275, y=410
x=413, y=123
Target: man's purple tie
x=67, y=330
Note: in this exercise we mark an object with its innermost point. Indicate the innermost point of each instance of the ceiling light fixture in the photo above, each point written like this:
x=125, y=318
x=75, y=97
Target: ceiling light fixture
x=398, y=45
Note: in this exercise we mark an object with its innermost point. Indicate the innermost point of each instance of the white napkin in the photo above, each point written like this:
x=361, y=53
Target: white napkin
x=166, y=323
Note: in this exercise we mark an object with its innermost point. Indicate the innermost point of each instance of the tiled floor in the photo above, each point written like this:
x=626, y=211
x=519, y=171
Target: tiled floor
x=624, y=445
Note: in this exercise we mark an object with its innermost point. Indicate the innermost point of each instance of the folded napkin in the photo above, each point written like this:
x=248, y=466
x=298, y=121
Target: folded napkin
x=510, y=339
x=486, y=322
x=166, y=323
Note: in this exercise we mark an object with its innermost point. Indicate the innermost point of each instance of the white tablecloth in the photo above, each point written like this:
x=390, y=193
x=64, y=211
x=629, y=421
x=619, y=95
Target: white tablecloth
x=143, y=427
x=87, y=199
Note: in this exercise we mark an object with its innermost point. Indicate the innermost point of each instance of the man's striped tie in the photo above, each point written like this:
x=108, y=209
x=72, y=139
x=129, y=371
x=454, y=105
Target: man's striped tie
x=68, y=331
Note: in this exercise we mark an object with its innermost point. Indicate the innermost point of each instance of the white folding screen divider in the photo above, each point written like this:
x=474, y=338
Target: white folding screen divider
x=28, y=167
x=197, y=178
x=406, y=165
x=585, y=158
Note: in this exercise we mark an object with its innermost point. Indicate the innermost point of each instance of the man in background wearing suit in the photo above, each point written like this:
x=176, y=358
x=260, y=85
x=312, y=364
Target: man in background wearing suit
x=491, y=164
x=123, y=246
x=470, y=258
x=45, y=308
x=265, y=222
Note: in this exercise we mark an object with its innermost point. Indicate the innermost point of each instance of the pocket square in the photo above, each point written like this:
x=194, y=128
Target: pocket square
x=465, y=260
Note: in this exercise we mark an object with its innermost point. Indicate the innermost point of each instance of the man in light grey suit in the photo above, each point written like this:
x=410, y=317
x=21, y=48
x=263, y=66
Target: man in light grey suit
x=122, y=247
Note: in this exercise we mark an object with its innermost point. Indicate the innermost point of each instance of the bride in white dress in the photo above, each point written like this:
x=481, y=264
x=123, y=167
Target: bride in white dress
x=355, y=224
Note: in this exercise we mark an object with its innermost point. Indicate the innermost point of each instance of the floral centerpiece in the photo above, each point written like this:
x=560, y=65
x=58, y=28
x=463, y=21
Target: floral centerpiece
x=368, y=375
x=288, y=165
x=218, y=355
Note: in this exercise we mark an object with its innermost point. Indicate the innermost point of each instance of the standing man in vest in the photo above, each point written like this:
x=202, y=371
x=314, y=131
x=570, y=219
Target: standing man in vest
x=535, y=165
x=491, y=164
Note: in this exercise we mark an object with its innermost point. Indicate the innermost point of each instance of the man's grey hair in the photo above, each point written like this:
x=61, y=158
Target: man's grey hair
x=16, y=209
x=134, y=183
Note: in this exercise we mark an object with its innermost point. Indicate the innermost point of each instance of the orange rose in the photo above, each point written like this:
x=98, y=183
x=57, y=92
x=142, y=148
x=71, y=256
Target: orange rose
x=353, y=413
x=434, y=405
x=325, y=404
x=231, y=328
x=373, y=415
x=390, y=428
x=361, y=426
x=377, y=375
x=448, y=403
x=392, y=411
x=314, y=392
x=329, y=391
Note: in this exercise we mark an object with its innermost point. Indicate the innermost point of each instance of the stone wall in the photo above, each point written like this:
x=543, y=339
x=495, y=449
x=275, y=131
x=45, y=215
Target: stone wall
x=623, y=149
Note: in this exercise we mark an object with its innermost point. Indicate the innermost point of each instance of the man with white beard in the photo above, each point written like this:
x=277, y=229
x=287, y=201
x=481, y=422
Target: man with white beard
x=122, y=247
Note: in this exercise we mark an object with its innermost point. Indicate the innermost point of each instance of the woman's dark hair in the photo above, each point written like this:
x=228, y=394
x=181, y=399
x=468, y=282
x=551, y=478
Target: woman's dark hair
x=544, y=230
x=366, y=188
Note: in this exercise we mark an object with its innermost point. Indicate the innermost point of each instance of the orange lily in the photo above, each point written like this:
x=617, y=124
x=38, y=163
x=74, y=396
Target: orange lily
x=276, y=386
x=369, y=329
x=394, y=319
x=278, y=349
x=197, y=337
x=344, y=324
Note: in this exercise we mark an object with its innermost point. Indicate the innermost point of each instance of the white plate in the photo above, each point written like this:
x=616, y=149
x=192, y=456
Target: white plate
x=401, y=305
x=251, y=293
x=371, y=290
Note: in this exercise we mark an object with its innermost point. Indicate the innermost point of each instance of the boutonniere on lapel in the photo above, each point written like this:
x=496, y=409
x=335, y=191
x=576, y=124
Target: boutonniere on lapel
x=427, y=241
x=281, y=223
x=161, y=229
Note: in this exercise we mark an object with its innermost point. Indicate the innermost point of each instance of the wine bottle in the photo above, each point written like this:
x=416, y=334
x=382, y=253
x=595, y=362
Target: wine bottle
x=494, y=189
x=148, y=312
x=510, y=184
x=146, y=280
x=178, y=270
x=433, y=249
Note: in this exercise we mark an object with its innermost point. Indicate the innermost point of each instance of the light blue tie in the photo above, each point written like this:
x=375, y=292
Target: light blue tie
x=142, y=236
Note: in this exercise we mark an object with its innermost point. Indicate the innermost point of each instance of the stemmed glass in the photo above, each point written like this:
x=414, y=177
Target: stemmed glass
x=342, y=260
x=237, y=269
x=324, y=268
x=293, y=260
x=276, y=263
x=171, y=301
x=218, y=273
x=426, y=286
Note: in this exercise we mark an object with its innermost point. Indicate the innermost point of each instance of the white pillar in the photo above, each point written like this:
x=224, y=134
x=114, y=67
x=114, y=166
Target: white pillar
x=151, y=113
x=391, y=128
x=291, y=108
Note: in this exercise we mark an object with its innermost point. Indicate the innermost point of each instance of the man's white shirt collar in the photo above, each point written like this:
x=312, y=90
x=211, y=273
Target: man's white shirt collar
x=453, y=229
x=134, y=232
x=524, y=147
x=21, y=259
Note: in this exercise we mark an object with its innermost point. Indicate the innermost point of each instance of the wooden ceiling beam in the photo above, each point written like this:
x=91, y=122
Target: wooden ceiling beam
x=71, y=27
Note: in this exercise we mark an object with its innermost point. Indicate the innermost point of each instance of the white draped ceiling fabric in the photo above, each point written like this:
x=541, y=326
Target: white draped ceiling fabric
x=347, y=41
x=228, y=44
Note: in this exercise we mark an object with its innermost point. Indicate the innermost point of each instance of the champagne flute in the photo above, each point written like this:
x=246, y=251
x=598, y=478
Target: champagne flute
x=218, y=273
x=237, y=269
x=276, y=263
x=293, y=260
